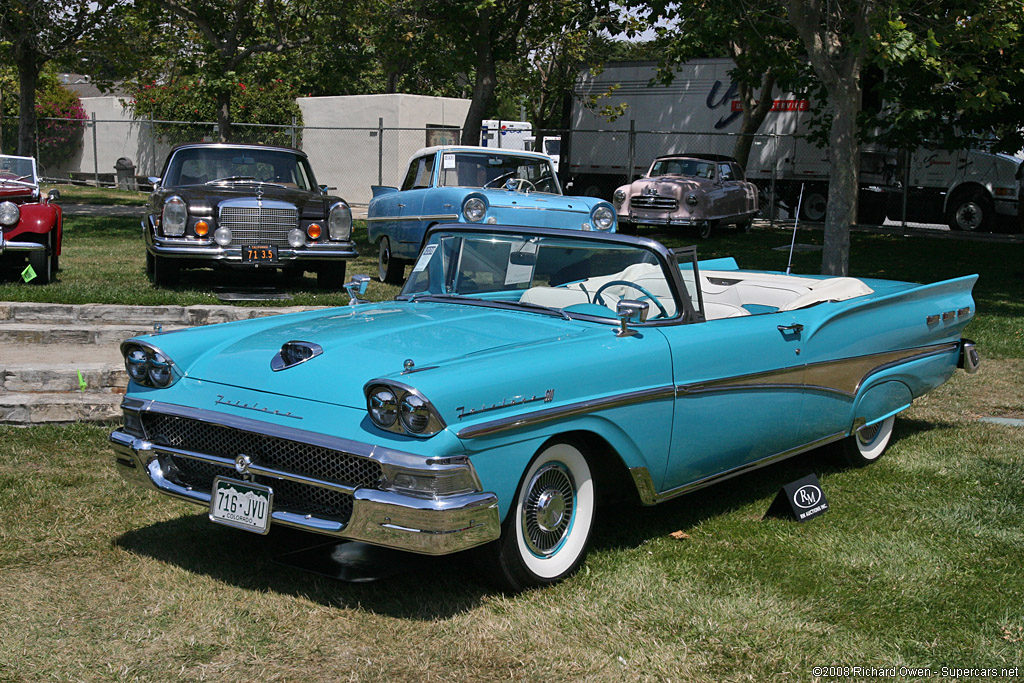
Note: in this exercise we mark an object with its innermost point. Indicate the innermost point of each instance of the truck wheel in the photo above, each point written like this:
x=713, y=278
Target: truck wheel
x=389, y=269
x=331, y=276
x=44, y=262
x=545, y=535
x=971, y=212
x=166, y=272
x=812, y=208
x=871, y=213
x=867, y=444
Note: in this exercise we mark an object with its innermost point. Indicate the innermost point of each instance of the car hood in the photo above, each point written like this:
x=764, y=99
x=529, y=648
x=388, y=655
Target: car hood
x=668, y=186
x=204, y=199
x=16, y=193
x=537, y=200
x=359, y=344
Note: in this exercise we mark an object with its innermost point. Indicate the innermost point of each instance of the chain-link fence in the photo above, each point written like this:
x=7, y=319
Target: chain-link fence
x=790, y=171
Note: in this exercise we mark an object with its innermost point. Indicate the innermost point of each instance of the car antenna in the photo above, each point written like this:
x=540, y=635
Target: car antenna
x=799, y=200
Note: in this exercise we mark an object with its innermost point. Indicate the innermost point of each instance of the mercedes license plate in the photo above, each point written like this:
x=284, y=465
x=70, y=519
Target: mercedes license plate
x=241, y=504
x=260, y=253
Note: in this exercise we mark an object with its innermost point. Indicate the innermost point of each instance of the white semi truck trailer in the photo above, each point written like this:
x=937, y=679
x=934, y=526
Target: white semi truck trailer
x=699, y=112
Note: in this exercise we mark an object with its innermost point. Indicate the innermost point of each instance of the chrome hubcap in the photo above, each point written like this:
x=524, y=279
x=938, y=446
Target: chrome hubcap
x=547, y=510
x=969, y=216
x=867, y=435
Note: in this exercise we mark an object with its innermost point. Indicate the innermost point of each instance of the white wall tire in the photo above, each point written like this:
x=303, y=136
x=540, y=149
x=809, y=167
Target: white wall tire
x=389, y=269
x=867, y=444
x=547, y=530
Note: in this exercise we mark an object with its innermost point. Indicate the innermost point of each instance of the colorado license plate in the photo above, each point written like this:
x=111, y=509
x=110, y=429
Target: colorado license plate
x=241, y=504
x=259, y=253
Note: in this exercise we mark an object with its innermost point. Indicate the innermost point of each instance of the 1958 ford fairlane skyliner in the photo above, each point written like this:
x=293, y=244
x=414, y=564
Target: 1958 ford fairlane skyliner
x=472, y=185
x=521, y=376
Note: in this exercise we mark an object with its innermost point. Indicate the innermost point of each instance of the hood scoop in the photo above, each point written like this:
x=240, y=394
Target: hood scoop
x=294, y=353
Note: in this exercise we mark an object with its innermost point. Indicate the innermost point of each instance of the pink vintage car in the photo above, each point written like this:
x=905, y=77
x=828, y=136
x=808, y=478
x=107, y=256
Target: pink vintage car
x=705, y=191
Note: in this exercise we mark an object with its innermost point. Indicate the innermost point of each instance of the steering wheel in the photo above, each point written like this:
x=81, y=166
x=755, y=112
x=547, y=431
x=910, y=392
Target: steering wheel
x=498, y=179
x=662, y=312
x=520, y=182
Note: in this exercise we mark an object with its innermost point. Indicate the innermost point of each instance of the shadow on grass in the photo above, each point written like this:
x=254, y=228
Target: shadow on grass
x=411, y=586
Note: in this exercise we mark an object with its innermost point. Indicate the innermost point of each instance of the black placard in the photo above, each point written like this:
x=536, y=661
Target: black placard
x=802, y=500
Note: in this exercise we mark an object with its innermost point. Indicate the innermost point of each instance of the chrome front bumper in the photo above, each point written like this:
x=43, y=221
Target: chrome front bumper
x=20, y=246
x=431, y=526
x=208, y=250
x=646, y=220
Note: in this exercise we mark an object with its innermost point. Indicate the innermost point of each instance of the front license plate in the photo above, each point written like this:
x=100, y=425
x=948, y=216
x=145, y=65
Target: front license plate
x=259, y=254
x=241, y=504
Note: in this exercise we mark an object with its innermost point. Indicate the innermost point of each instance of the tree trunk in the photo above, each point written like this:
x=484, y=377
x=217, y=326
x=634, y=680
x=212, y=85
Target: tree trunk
x=844, y=173
x=28, y=77
x=483, y=88
x=754, y=114
x=224, y=115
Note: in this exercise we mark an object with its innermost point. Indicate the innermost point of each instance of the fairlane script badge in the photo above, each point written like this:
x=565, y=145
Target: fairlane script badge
x=548, y=397
x=221, y=401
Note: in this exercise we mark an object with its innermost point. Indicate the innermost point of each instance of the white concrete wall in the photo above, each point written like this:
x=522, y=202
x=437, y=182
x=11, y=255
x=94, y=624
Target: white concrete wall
x=340, y=137
x=117, y=135
x=348, y=159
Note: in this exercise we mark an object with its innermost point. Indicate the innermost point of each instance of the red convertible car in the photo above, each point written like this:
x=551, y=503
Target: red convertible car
x=31, y=225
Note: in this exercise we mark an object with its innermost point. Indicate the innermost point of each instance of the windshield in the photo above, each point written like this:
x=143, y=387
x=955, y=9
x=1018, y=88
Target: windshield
x=495, y=170
x=213, y=165
x=690, y=167
x=565, y=275
x=17, y=169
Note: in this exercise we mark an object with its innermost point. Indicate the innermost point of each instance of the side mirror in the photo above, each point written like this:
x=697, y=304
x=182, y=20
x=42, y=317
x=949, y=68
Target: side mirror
x=53, y=195
x=630, y=311
x=355, y=287
x=154, y=181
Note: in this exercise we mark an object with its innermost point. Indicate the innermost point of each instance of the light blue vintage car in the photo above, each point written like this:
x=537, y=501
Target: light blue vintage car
x=473, y=185
x=521, y=377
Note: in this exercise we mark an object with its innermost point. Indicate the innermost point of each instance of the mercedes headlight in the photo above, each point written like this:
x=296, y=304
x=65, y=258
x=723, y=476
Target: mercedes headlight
x=474, y=209
x=395, y=407
x=339, y=223
x=9, y=214
x=175, y=217
x=148, y=366
x=603, y=218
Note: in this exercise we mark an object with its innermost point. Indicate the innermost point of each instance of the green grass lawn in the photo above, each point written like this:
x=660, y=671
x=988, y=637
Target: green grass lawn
x=917, y=563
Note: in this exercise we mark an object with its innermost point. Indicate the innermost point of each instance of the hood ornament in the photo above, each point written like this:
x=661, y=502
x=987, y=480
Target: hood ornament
x=651, y=191
x=294, y=353
x=259, y=195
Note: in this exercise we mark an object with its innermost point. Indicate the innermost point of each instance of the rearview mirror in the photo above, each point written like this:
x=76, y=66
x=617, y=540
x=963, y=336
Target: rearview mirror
x=355, y=287
x=630, y=311
x=523, y=258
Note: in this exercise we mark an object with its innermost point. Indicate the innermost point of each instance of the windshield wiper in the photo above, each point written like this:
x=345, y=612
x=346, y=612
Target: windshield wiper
x=422, y=296
x=493, y=303
x=231, y=179
x=539, y=307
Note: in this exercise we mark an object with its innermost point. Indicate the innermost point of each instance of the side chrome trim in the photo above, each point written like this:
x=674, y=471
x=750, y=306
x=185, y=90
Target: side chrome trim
x=845, y=376
x=434, y=217
x=569, y=410
x=649, y=496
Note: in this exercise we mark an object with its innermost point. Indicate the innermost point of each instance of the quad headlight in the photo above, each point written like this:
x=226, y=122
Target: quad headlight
x=175, y=217
x=9, y=214
x=474, y=209
x=395, y=407
x=148, y=366
x=339, y=222
x=603, y=218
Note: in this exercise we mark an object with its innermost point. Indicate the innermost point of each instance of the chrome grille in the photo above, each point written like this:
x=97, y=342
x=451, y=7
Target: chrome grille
x=259, y=225
x=647, y=201
x=294, y=457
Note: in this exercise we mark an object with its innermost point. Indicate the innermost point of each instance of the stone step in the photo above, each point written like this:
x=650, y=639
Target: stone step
x=58, y=408
x=141, y=317
x=80, y=377
x=41, y=334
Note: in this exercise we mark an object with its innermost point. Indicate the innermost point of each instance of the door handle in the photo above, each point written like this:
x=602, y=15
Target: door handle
x=795, y=327
x=401, y=206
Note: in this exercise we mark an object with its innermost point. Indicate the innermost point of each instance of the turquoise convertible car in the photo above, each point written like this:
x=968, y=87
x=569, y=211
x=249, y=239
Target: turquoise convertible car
x=522, y=377
x=472, y=185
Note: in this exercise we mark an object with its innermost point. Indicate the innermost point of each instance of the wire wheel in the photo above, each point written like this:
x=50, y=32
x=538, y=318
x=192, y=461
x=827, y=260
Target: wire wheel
x=548, y=509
